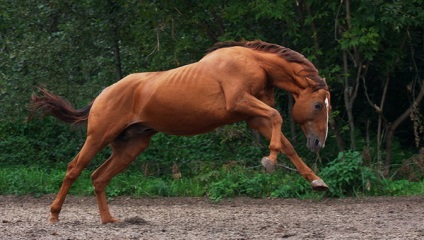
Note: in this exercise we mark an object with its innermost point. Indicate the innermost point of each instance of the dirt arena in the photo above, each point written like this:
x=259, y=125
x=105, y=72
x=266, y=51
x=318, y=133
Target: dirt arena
x=198, y=218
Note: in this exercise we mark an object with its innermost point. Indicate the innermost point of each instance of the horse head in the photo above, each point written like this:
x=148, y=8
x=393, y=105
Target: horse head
x=311, y=111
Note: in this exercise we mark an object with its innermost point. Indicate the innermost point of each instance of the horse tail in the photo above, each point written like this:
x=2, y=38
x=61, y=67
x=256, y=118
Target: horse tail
x=50, y=104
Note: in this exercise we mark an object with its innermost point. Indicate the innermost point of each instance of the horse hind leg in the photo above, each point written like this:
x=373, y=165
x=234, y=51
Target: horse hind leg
x=124, y=151
x=98, y=137
x=88, y=151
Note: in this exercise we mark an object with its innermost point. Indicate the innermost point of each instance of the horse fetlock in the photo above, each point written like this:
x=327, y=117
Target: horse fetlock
x=268, y=164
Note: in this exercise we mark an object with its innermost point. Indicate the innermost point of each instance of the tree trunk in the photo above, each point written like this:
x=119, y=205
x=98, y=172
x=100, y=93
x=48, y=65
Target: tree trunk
x=114, y=32
x=351, y=90
x=348, y=102
x=381, y=120
x=339, y=138
x=392, y=127
x=313, y=29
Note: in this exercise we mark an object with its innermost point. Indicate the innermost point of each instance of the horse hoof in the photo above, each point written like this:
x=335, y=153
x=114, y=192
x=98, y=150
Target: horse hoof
x=111, y=220
x=269, y=166
x=53, y=219
x=319, y=185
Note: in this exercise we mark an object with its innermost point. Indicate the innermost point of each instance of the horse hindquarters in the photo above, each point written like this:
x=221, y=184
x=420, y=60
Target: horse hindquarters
x=104, y=125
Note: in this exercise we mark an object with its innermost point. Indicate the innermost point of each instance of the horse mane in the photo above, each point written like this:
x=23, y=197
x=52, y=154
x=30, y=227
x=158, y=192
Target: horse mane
x=286, y=53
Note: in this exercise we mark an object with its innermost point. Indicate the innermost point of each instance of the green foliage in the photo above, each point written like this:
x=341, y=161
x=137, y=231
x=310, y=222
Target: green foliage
x=21, y=180
x=40, y=142
x=216, y=185
x=402, y=188
x=346, y=174
x=367, y=39
x=135, y=184
x=44, y=142
x=245, y=182
x=72, y=49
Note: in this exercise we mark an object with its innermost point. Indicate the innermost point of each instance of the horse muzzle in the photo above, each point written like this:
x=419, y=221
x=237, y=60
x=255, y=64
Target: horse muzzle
x=314, y=143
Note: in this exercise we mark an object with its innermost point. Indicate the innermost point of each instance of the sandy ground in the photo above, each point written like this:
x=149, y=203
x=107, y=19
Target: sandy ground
x=198, y=218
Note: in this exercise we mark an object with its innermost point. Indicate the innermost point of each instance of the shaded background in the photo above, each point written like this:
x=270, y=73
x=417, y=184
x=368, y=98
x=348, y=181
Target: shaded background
x=370, y=52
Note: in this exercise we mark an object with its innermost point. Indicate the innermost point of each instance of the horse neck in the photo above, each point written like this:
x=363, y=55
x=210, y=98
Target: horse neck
x=284, y=74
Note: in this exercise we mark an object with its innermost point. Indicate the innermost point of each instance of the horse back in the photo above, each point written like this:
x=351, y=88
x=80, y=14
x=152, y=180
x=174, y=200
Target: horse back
x=188, y=100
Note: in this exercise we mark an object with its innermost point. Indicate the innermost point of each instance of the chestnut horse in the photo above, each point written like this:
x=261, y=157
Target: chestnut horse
x=233, y=82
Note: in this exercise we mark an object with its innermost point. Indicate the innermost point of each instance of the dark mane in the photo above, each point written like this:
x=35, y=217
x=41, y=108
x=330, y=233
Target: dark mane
x=286, y=53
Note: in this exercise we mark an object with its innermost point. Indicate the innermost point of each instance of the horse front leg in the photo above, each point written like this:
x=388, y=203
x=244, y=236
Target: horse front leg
x=265, y=128
x=253, y=107
x=316, y=182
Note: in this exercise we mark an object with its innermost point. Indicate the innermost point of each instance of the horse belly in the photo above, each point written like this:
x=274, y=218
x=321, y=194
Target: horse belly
x=188, y=127
x=188, y=114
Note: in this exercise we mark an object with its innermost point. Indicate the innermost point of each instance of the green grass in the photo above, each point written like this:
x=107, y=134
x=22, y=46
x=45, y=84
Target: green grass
x=215, y=184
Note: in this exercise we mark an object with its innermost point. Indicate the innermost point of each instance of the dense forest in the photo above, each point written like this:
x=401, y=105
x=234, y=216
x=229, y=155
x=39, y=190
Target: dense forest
x=370, y=52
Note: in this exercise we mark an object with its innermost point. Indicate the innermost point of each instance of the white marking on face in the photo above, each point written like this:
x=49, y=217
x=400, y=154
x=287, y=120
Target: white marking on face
x=326, y=106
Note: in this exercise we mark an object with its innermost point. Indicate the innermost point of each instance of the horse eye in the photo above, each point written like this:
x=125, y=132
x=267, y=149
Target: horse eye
x=318, y=106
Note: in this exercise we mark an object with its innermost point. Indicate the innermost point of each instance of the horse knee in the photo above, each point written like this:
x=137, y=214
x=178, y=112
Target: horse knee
x=276, y=118
x=98, y=184
x=99, y=187
x=75, y=168
x=72, y=173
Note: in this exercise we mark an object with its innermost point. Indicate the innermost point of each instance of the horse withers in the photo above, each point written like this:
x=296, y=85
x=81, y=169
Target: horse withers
x=233, y=82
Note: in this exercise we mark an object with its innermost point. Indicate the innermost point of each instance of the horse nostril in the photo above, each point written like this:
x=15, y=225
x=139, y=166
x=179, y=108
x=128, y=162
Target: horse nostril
x=316, y=142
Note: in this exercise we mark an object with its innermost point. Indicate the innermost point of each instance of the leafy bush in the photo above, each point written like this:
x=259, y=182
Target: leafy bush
x=253, y=183
x=39, y=142
x=346, y=175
